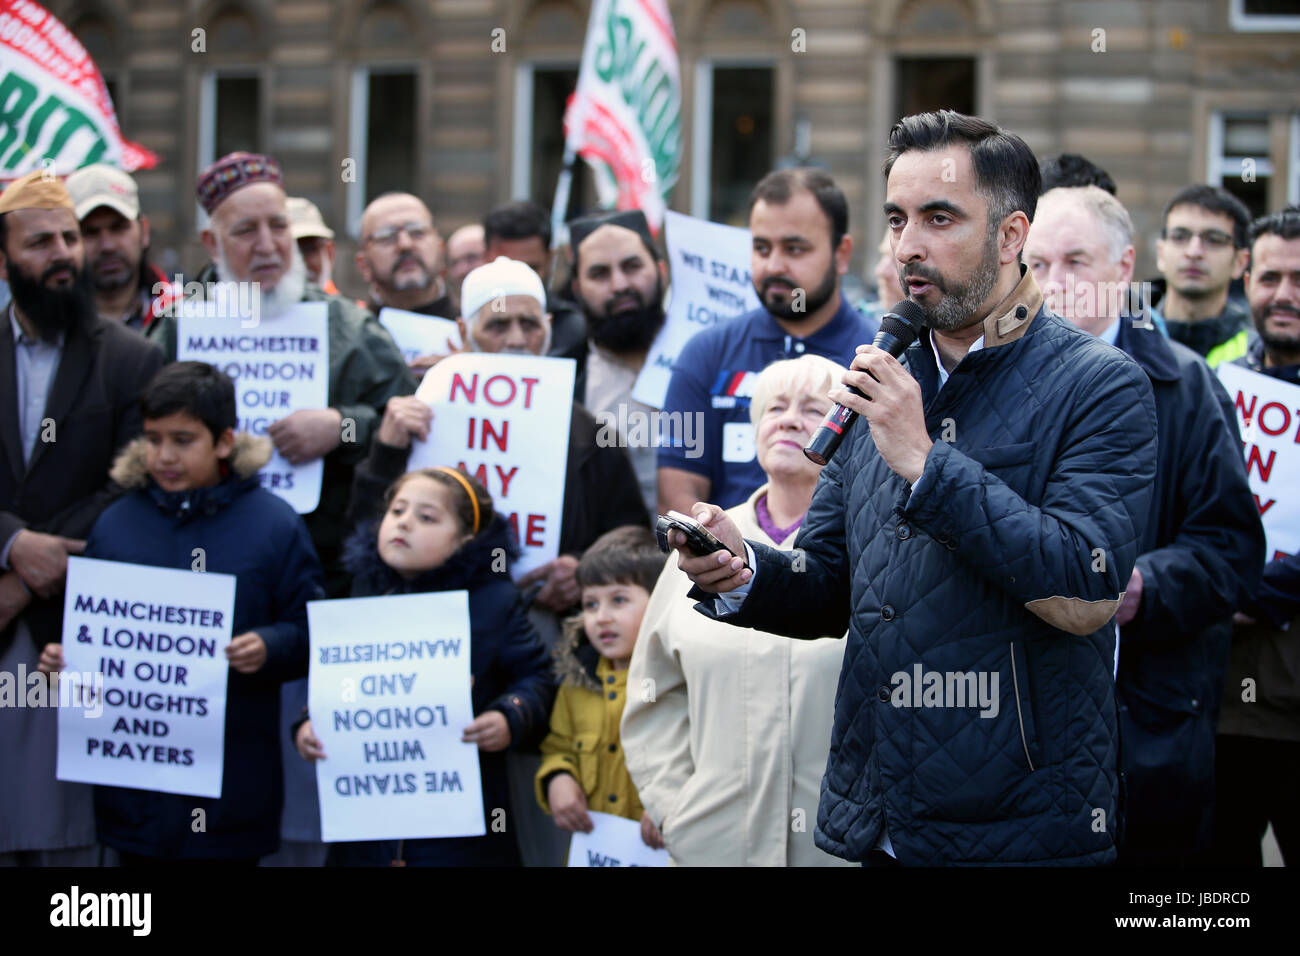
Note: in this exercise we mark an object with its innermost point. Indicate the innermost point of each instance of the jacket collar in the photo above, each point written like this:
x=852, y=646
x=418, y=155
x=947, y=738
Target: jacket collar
x=1011, y=318
x=249, y=454
x=1149, y=349
x=471, y=566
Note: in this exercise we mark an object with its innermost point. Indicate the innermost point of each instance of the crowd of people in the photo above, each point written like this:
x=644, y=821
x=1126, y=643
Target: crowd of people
x=1045, y=509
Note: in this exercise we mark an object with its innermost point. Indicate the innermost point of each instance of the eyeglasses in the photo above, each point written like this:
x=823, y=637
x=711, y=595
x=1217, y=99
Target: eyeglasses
x=1211, y=238
x=388, y=235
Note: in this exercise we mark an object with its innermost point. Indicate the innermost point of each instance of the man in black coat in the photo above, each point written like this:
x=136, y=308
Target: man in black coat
x=1203, y=549
x=68, y=388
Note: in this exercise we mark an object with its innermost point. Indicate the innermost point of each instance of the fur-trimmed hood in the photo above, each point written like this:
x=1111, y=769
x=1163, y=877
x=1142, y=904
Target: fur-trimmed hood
x=469, y=567
x=249, y=454
x=573, y=657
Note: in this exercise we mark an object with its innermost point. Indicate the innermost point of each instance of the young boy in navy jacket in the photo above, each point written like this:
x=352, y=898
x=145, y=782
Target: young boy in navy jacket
x=193, y=485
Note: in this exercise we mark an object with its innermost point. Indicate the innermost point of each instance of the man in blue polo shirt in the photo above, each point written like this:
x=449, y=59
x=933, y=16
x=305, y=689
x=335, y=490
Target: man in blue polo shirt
x=798, y=220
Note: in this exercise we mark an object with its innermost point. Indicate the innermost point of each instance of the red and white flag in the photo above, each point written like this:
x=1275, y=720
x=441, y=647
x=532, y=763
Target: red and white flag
x=55, y=112
x=625, y=118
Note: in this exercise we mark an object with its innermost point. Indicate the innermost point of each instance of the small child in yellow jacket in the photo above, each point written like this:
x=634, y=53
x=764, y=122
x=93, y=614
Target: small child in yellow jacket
x=582, y=759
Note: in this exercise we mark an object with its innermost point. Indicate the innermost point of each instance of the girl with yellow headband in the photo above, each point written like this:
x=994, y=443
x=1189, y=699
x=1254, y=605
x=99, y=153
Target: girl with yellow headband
x=439, y=532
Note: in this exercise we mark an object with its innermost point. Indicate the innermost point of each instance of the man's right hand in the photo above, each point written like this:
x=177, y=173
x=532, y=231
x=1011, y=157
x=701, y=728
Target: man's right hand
x=42, y=559
x=404, y=416
x=718, y=572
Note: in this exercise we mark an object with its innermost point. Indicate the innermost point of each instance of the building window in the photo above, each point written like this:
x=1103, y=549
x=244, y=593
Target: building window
x=926, y=84
x=1293, y=184
x=1265, y=16
x=382, y=138
x=542, y=93
x=1239, y=158
x=229, y=115
x=732, y=138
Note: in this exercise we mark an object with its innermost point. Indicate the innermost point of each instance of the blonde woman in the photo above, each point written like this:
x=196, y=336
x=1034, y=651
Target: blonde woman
x=726, y=729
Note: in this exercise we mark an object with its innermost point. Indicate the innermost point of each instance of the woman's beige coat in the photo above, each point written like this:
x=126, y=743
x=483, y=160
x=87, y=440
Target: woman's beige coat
x=726, y=730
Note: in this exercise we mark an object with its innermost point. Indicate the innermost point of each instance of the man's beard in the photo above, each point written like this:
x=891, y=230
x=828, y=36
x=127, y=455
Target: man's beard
x=52, y=310
x=812, y=301
x=393, y=284
x=626, y=332
x=287, y=292
x=957, y=303
x=1277, y=343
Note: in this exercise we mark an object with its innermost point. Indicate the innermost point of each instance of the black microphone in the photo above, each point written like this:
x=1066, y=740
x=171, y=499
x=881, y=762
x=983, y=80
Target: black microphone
x=898, y=329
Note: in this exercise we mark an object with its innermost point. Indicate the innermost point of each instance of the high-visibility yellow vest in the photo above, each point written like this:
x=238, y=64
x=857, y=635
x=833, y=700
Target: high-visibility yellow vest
x=1228, y=351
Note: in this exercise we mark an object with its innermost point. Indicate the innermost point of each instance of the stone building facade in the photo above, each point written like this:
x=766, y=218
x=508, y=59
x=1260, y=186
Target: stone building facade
x=459, y=100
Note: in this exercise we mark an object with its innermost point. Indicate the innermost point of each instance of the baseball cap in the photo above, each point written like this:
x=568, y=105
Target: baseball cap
x=103, y=185
x=305, y=219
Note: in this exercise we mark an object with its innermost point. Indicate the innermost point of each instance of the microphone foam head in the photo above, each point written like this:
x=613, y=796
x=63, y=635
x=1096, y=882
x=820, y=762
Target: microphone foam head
x=904, y=321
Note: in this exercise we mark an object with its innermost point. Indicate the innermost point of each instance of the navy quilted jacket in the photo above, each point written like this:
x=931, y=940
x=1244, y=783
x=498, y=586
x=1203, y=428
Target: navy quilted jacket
x=975, y=716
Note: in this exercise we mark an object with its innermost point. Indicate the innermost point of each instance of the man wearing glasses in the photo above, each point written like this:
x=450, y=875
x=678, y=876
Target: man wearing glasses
x=1202, y=250
x=401, y=257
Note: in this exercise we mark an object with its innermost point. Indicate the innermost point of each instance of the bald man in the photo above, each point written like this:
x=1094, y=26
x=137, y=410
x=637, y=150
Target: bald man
x=401, y=257
x=465, y=253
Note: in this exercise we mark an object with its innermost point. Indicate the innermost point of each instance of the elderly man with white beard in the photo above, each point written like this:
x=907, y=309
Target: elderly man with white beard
x=250, y=241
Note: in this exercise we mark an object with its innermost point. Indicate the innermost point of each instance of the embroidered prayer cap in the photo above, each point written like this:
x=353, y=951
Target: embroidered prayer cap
x=234, y=171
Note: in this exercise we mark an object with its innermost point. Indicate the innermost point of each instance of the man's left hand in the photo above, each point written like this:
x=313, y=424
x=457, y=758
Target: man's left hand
x=892, y=408
x=307, y=434
x=561, y=591
x=246, y=653
x=1128, y=608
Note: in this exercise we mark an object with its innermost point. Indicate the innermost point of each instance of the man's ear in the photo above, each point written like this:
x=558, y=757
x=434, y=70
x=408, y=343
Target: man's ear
x=144, y=232
x=1239, y=263
x=1126, y=262
x=363, y=266
x=209, y=243
x=1015, y=230
x=225, y=444
x=843, y=253
x=549, y=319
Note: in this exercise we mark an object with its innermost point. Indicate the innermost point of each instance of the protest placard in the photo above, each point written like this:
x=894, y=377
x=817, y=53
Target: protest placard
x=389, y=696
x=417, y=335
x=711, y=285
x=158, y=719
x=1268, y=417
x=279, y=366
x=613, y=841
x=505, y=420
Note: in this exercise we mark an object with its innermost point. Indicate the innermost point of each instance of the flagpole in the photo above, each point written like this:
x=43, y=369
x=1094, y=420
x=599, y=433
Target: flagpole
x=561, y=205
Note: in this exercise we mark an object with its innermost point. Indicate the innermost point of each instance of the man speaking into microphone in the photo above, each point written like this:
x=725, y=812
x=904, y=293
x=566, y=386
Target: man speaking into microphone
x=973, y=533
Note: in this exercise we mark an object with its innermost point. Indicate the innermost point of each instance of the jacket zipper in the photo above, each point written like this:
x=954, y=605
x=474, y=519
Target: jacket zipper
x=1020, y=718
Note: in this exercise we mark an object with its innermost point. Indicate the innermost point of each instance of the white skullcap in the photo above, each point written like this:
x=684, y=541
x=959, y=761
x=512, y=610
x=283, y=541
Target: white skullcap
x=500, y=277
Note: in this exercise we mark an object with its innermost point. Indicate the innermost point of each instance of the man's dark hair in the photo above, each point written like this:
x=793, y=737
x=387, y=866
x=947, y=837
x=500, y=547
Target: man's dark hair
x=1285, y=224
x=4, y=233
x=517, y=220
x=1071, y=169
x=626, y=555
x=1006, y=171
x=1213, y=199
x=777, y=187
x=192, y=388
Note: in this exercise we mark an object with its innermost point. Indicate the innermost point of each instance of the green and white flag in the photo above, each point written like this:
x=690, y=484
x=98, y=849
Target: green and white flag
x=625, y=118
x=55, y=112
